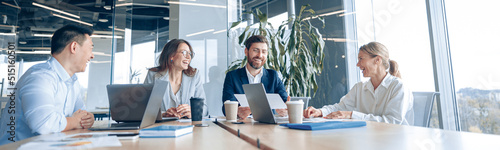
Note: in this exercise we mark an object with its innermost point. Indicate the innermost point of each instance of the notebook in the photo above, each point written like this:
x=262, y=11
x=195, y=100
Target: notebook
x=125, y=100
x=166, y=131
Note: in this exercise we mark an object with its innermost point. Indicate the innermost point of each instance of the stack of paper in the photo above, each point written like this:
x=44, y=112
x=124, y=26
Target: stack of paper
x=76, y=141
x=165, y=131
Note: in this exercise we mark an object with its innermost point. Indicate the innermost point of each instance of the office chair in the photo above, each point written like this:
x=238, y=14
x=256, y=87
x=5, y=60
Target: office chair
x=422, y=107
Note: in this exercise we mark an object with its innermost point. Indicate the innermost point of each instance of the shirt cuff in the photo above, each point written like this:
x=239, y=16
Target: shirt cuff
x=325, y=112
x=64, y=123
x=357, y=115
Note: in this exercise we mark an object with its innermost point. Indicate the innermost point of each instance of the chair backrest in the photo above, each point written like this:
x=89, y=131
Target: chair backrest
x=305, y=99
x=422, y=107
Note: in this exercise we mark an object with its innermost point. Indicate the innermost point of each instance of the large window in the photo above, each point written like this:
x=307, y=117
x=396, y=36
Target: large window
x=403, y=28
x=473, y=29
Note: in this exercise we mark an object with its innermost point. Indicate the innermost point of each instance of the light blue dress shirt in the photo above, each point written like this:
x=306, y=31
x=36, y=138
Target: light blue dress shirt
x=45, y=96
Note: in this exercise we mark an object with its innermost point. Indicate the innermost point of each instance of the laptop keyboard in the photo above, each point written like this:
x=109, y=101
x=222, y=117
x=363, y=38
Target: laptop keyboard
x=126, y=124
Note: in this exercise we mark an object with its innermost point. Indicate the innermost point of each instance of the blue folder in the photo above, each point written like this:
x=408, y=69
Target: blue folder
x=325, y=125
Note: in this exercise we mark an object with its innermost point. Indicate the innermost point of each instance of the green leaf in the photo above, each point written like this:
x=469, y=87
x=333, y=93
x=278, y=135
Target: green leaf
x=297, y=54
x=234, y=24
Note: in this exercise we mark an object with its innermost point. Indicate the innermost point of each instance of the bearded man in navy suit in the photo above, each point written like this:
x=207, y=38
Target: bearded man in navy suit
x=256, y=51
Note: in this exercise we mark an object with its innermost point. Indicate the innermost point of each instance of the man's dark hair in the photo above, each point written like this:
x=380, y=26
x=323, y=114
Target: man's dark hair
x=255, y=39
x=66, y=35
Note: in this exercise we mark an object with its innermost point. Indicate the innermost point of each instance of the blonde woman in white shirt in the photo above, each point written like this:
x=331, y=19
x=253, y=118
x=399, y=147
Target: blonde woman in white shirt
x=184, y=81
x=383, y=98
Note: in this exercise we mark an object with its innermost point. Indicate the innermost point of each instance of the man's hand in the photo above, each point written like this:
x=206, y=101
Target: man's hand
x=312, y=112
x=74, y=121
x=88, y=120
x=282, y=112
x=171, y=112
x=184, y=110
x=340, y=115
x=243, y=112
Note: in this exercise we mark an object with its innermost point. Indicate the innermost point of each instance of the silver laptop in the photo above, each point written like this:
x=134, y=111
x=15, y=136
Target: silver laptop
x=259, y=104
x=126, y=101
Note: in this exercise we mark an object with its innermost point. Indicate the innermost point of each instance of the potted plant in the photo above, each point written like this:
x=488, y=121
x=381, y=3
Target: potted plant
x=296, y=53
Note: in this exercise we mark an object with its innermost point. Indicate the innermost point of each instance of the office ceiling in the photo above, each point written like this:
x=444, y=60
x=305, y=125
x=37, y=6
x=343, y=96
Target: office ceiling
x=31, y=21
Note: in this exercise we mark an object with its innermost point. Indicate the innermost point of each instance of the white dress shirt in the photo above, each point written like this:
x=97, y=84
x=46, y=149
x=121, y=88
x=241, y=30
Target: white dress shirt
x=391, y=102
x=256, y=79
x=190, y=87
x=45, y=96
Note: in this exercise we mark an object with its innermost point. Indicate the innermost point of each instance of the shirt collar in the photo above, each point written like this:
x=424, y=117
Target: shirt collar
x=250, y=75
x=385, y=82
x=60, y=71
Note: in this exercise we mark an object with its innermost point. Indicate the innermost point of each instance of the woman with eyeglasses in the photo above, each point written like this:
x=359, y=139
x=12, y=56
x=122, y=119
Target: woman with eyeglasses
x=184, y=81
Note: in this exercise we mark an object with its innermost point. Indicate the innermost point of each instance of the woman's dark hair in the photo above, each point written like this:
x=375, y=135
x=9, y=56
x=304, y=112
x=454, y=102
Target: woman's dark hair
x=169, y=50
x=67, y=34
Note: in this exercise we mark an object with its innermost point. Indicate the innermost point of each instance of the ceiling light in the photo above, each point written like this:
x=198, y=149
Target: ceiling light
x=43, y=35
x=11, y=5
x=196, y=4
x=7, y=33
x=217, y=32
x=9, y=26
x=101, y=54
x=326, y=14
x=141, y=4
x=33, y=52
x=106, y=36
x=338, y=40
x=85, y=23
x=22, y=42
x=107, y=7
x=59, y=11
x=201, y=32
x=103, y=20
x=166, y=18
x=346, y=14
x=116, y=28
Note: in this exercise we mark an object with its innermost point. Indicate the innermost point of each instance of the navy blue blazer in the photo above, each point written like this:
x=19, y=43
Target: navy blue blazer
x=233, y=84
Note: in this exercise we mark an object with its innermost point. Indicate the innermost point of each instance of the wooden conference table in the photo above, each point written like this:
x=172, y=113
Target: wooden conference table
x=374, y=136
x=224, y=135
x=211, y=137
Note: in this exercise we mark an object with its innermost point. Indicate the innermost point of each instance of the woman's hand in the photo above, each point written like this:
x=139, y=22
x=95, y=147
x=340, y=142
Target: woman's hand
x=312, y=112
x=171, y=112
x=184, y=110
x=340, y=115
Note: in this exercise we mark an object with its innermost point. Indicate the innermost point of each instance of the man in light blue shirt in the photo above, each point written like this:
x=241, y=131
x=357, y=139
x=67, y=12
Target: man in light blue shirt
x=48, y=98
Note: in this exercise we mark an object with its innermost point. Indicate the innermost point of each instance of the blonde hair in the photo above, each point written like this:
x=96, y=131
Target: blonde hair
x=375, y=49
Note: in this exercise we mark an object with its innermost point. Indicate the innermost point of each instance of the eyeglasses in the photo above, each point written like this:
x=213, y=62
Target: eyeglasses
x=185, y=54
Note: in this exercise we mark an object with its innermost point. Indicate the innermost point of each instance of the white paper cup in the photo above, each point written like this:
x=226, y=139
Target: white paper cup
x=231, y=108
x=295, y=111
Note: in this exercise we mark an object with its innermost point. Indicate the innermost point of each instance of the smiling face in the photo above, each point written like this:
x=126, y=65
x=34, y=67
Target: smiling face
x=84, y=53
x=256, y=55
x=181, y=59
x=368, y=64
